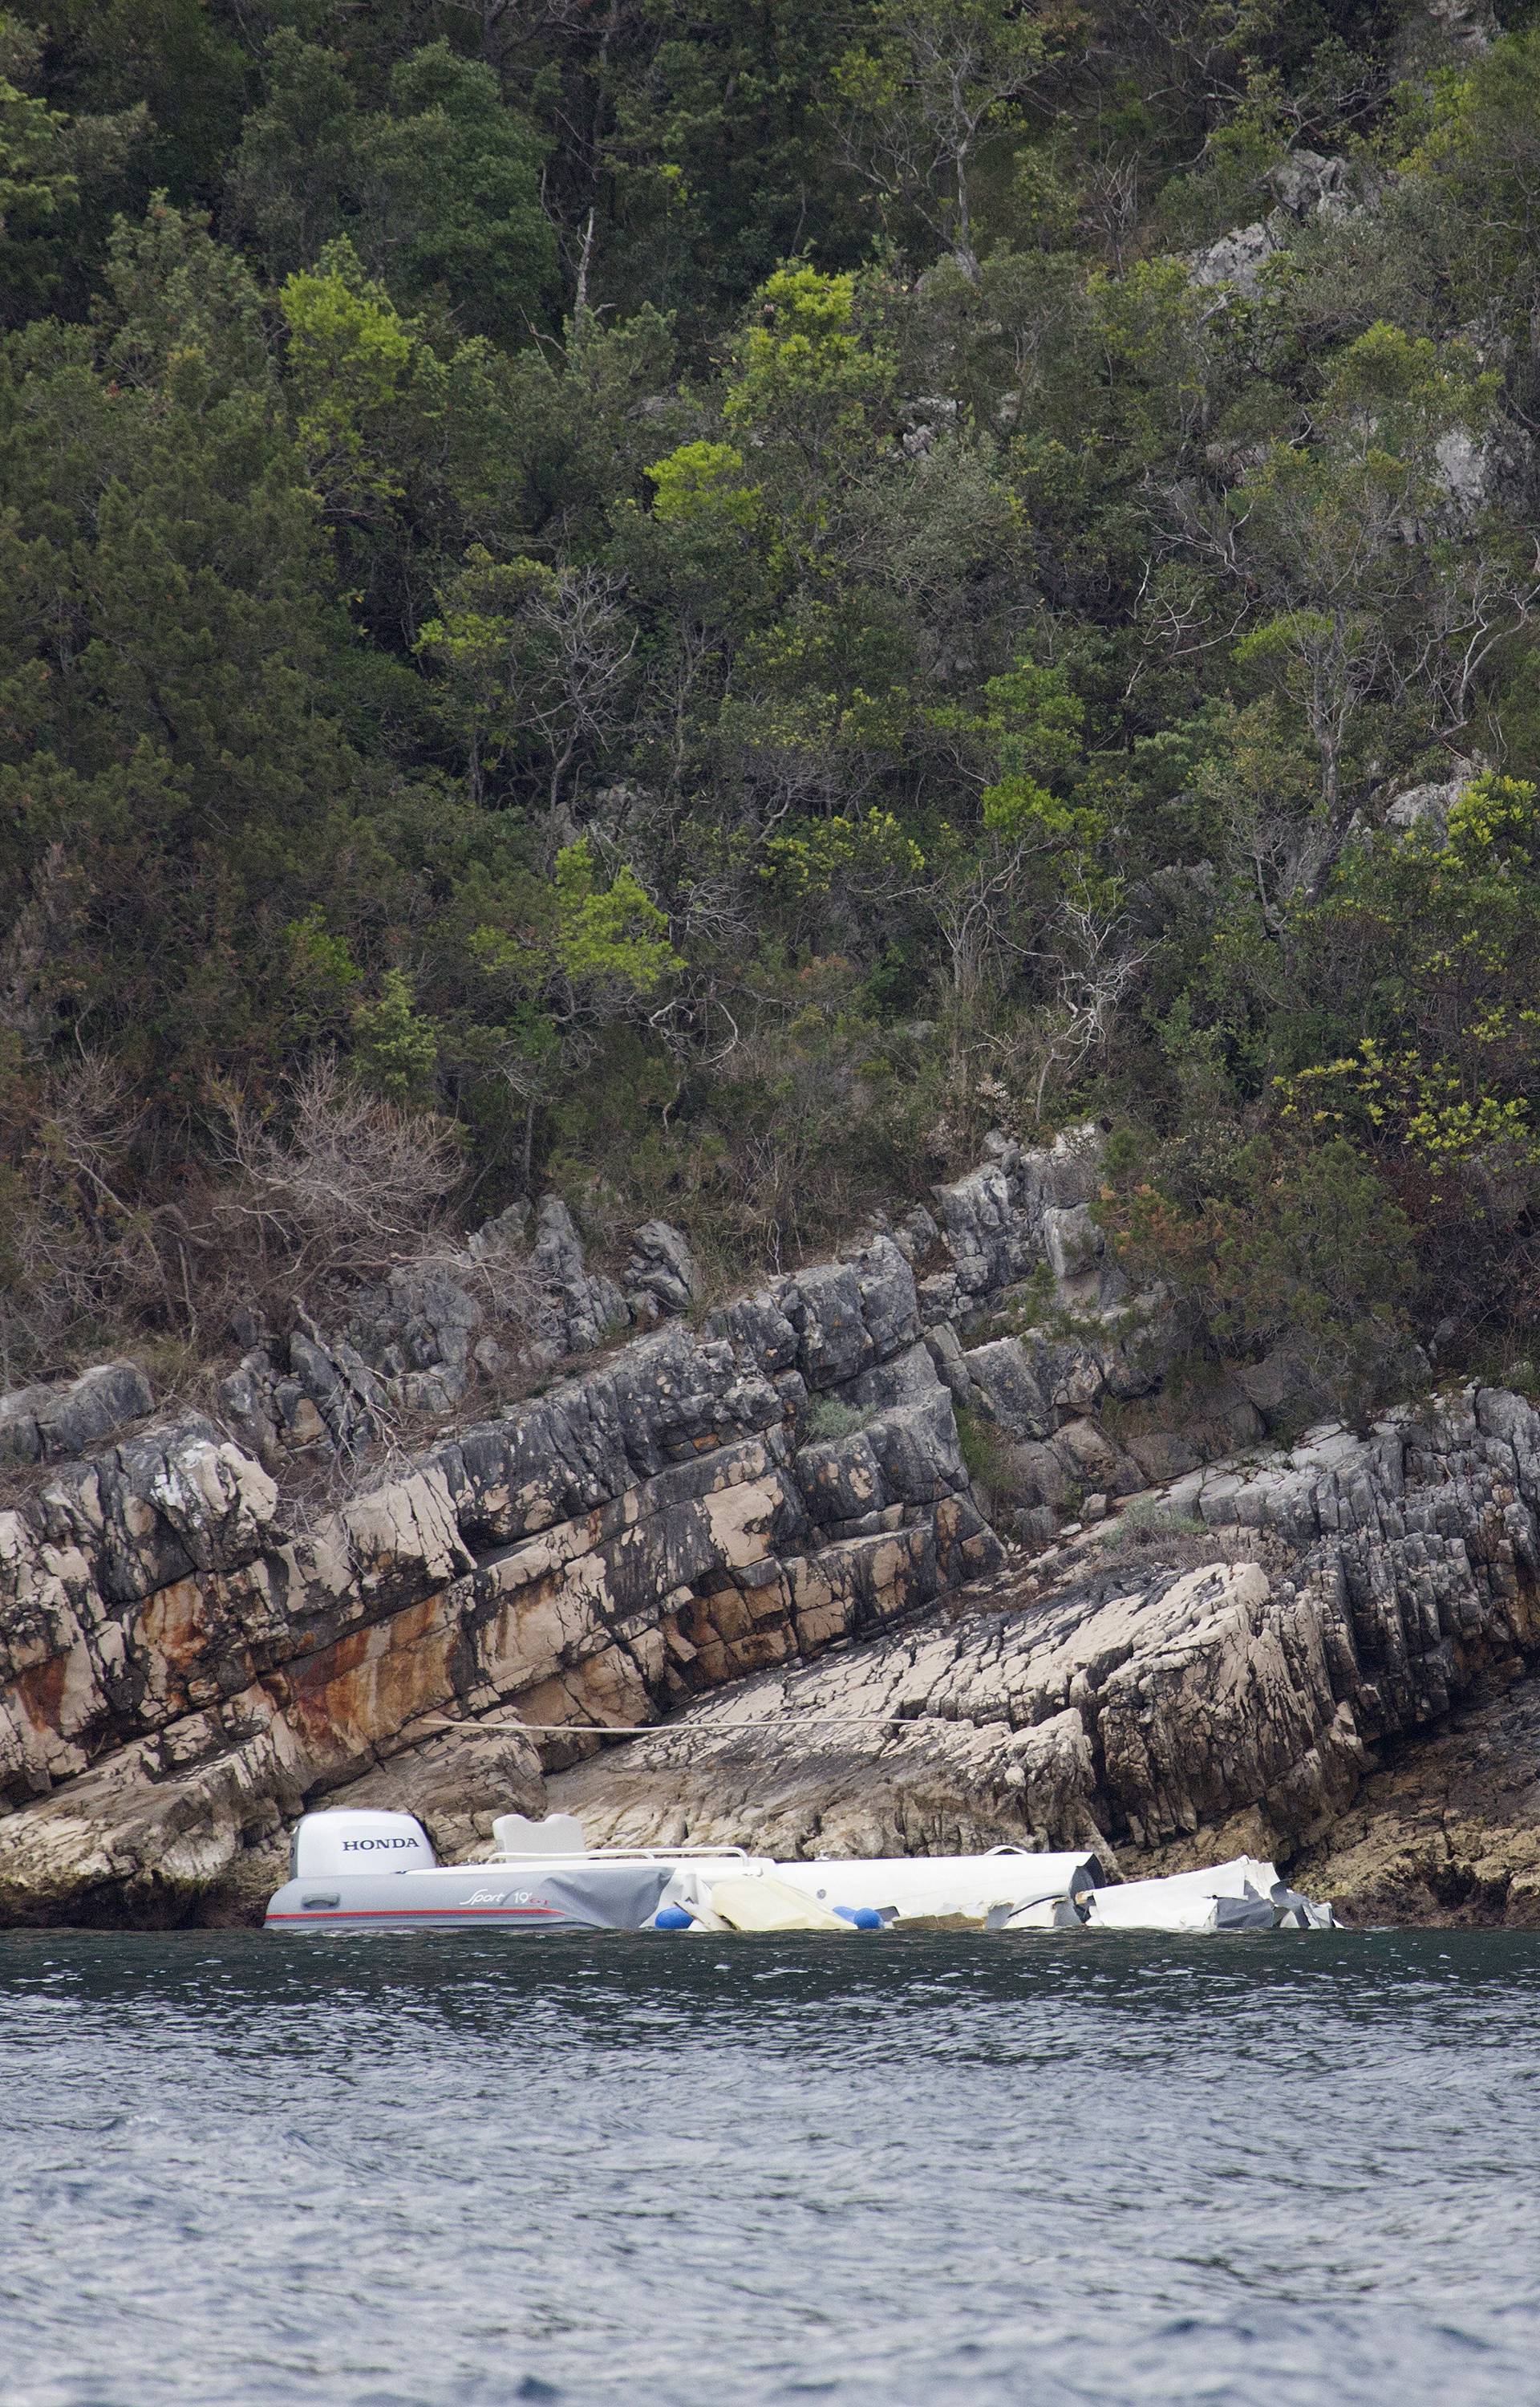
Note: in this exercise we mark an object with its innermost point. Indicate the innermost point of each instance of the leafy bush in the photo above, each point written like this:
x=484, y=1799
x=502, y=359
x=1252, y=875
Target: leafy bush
x=1264, y=1238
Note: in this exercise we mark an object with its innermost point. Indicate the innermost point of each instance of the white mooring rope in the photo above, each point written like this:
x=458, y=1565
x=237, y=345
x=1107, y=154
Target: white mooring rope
x=650, y=1730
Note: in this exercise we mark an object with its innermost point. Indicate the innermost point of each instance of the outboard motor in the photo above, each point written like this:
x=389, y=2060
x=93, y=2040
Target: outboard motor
x=353, y=1839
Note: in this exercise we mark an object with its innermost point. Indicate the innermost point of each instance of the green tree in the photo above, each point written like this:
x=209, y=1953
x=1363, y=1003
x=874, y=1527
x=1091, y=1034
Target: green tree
x=582, y=956
x=48, y=160
x=394, y=1045
x=931, y=85
x=536, y=663
x=438, y=192
x=1370, y=582
x=1269, y=1243
x=716, y=141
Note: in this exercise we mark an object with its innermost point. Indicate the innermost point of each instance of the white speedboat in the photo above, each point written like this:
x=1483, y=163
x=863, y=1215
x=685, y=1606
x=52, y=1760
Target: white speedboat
x=359, y=1869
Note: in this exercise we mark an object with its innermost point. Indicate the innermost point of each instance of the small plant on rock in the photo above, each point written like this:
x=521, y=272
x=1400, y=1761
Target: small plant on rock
x=985, y=1451
x=1151, y=1533
x=827, y=1417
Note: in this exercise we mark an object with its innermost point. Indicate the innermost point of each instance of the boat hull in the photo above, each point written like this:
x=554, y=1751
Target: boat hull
x=526, y=1899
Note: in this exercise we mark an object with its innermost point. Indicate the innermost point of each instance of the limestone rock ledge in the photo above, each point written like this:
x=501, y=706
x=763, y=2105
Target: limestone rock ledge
x=1163, y=1710
x=188, y=1657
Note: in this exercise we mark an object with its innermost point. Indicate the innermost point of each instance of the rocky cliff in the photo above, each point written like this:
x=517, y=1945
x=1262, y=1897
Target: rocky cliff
x=773, y=1502
x=1223, y=1669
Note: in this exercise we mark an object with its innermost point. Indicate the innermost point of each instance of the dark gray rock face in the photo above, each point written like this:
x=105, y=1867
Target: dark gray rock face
x=873, y=1330
x=662, y=1275
x=587, y=1306
x=40, y=1424
x=415, y=1342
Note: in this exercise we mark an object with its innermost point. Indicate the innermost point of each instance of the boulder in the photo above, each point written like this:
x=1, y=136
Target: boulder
x=1425, y=807
x=1005, y=1382
x=1306, y=184
x=988, y=1246
x=824, y=1305
x=1469, y=27
x=1093, y=1462
x=950, y=1364
x=661, y=1276
x=586, y=1307
x=1074, y=1247
x=1236, y=259
x=57, y=1419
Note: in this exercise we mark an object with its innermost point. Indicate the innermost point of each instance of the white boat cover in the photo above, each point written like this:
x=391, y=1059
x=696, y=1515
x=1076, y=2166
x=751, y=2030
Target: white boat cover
x=938, y=1888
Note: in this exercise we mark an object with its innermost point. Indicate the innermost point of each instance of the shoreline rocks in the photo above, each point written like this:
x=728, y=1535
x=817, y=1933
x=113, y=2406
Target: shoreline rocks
x=186, y=1659
x=190, y=1655
x=1358, y=1590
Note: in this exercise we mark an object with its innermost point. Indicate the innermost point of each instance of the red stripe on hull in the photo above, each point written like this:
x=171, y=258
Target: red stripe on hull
x=402, y=1913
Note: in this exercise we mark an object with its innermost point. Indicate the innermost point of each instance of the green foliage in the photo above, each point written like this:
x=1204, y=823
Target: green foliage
x=350, y=355
x=712, y=594
x=871, y=851
x=36, y=178
x=985, y=1450
x=50, y=162
x=1450, y=925
x=438, y=192
x=612, y=935
x=930, y=87
x=701, y=483
x=1269, y=1241
x=720, y=150
x=808, y=375
x=324, y=976
x=395, y=1047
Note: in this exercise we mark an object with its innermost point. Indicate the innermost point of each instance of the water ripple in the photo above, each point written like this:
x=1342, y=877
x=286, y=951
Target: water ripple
x=405, y=2172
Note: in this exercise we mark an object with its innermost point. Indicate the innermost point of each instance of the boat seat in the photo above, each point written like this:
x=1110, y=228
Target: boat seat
x=559, y=1834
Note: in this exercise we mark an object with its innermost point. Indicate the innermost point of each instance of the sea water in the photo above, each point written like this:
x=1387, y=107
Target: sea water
x=696, y=2171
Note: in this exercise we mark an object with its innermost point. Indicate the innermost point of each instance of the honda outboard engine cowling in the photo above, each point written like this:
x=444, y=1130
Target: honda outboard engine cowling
x=351, y=1839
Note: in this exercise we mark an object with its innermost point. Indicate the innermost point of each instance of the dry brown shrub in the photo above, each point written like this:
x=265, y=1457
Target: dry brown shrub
x=343, y=1188
x=326, y=1194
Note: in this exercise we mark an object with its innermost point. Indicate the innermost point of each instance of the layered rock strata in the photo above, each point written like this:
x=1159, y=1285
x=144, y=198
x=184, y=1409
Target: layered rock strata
x=1132, y=1696
x=189, y=1656
x=186, y=1660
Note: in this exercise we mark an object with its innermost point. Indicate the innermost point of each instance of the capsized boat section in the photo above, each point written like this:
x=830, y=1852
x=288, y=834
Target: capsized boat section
x=1245, y=1894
